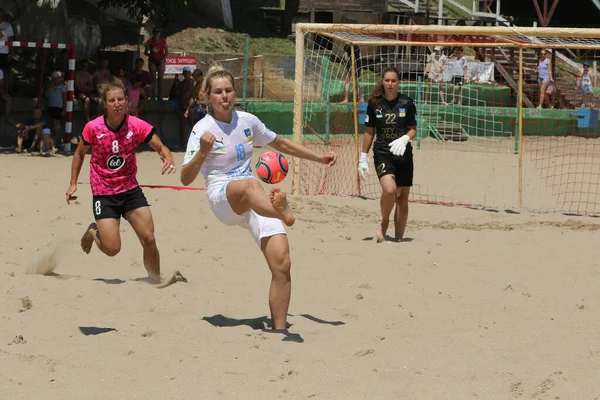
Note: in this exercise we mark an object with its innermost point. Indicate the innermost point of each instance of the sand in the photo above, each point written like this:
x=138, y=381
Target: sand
x=473, y=305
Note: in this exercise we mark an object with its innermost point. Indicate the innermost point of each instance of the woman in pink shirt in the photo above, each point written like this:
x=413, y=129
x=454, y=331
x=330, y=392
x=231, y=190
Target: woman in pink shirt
x=114, y=138
x=135, y=97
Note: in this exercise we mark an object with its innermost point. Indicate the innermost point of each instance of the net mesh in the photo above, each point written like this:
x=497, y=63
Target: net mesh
x=468, y=150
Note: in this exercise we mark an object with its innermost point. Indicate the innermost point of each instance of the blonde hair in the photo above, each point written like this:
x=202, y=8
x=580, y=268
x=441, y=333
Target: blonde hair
x=216, y=71
x=113, y=84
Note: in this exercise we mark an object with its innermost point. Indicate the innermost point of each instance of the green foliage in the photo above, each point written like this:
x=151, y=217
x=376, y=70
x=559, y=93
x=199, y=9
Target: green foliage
x=159, y=11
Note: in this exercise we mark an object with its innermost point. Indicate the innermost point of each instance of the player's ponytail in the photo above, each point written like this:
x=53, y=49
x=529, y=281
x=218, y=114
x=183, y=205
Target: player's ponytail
x=378, y=92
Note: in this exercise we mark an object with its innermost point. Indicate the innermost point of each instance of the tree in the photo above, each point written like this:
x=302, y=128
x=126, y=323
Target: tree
x=159, y=11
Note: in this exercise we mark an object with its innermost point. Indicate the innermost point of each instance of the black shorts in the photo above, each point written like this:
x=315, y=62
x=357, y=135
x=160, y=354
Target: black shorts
x=4, y=63
x=55, y=113
x=457, y=80
x=116, y=205
x=401, y=167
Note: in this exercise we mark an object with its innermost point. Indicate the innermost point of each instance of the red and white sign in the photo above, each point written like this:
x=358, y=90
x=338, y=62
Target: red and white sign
x=175, y=64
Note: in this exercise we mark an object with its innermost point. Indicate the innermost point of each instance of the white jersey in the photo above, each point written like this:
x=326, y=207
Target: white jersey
x=459, y=67
x=231, y=154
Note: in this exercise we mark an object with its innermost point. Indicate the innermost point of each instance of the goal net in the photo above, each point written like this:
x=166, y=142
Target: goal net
x=69, y=71
x=482, y=140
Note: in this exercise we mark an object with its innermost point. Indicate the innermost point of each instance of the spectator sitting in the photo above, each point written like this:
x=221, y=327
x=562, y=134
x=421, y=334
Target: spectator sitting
x=57, y=98
x=46, y=143
x=29, y=133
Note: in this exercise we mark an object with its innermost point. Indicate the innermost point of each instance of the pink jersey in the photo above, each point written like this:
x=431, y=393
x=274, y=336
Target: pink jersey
x=113, y=166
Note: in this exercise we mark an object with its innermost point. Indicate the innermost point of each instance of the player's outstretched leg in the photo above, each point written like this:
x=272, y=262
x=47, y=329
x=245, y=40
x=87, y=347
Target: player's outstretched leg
x=142, y=223
x=388, y=195
x=401, y=213
x=247, y=194
x=277, y=253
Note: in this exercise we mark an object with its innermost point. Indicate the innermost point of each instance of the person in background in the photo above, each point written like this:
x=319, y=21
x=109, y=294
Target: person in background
x=437, y=62
x=544, y=77
x=29, y=133
x=122, y=75
x=4, y=95
x=135, y=97
x=460, y=73
x=47, y=146
x=585, y=86
x=144, y=76
x=350, y=71
x=84, y=87
x=184, y=95
x=196, y=109
x=6, y=53
x=156, y=51
x=57, y=98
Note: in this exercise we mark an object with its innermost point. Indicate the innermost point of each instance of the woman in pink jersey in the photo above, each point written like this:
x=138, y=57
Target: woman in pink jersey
x=114, y=138
x=221, y=145
x=156, y=51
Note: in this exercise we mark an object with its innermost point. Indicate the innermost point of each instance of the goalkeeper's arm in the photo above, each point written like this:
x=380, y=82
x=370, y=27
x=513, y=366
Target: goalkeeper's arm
x=367, y=139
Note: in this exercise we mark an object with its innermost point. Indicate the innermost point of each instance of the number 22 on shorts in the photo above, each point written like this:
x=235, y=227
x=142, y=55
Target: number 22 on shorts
x=241, y=152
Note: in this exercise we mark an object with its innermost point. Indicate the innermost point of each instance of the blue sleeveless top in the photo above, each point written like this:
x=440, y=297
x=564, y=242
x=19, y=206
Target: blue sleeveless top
x=543, y=72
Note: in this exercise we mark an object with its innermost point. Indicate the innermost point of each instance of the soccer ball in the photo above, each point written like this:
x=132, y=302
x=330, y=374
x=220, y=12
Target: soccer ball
x=272, y=167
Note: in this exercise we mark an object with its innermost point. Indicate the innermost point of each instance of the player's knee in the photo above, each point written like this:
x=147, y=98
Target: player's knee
x=253, y=184
x=112, y=251
x=402, y=204
x=148, y=240
x=388, y=191
x=282, y=265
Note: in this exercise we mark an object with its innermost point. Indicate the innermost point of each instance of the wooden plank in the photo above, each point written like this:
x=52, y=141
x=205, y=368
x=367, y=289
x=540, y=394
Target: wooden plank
x=513, y=84
x=343, y=5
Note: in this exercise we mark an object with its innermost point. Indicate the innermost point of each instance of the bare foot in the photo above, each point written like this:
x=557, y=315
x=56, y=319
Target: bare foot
x=177, y=277
x=280, y=204
x=87, y=240
x=381, y=231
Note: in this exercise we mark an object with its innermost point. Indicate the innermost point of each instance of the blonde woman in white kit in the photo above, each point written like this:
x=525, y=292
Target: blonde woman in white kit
x=220, y=147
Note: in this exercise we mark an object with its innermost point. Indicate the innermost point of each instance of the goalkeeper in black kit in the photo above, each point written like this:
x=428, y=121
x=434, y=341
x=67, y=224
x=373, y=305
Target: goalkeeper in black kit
x=393, y=117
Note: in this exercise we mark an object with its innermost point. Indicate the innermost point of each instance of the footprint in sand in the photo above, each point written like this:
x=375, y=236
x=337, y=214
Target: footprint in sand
x=25, y=303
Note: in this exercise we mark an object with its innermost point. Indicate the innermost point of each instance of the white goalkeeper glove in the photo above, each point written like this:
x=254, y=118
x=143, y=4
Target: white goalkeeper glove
x=398, y=146
x=363, y=165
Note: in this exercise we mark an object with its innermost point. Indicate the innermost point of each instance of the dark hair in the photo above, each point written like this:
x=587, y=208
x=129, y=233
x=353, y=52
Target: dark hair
x=377, y=93
x=139, y=59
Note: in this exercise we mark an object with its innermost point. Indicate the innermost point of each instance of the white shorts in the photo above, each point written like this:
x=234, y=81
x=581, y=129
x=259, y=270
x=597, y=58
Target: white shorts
x=259, y=226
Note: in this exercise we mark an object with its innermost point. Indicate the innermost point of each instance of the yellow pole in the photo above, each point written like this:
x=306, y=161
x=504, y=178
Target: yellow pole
x=520, y=126
x=511, y=31
x=298, y=116
x=354, y=101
